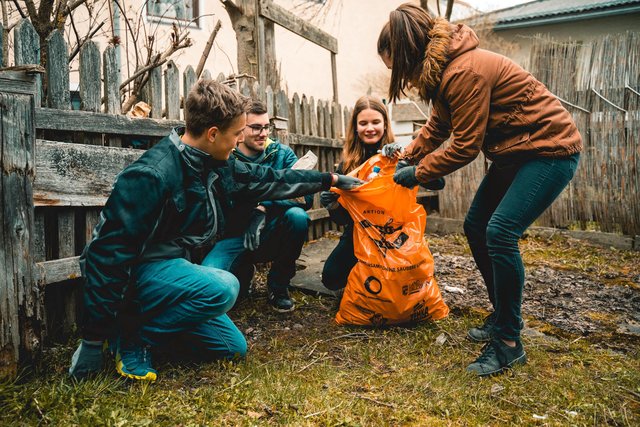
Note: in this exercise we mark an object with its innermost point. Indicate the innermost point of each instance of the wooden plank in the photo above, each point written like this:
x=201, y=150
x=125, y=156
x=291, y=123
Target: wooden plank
x=77, y=174
x=316, y=214
x=26, y=50
x=299, y=26
x=57, y=72
x=295, y=124
x=336, y=120
x=281, y=104
x=3, y=44
x=328, y=127
x=90, y=65
x=206, y=75
x=313, y=118
x=66, y=233
x=334, y=77
x=319, y=113
x=83, y=121
x=172, y=91
x=347, y=118
x=296, y=139
x=58, y=270
x=39, y=251
x=306, y=116
x=20, y=300
x=153, y=93
x=268, y=92
x=188, y=80
x=111, y=73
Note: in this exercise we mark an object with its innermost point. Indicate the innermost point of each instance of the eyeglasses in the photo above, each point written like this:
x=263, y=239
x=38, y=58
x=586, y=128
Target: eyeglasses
x=257, y=129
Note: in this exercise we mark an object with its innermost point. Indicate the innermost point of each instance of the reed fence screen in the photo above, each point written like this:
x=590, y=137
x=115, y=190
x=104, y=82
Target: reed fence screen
x=599, y=83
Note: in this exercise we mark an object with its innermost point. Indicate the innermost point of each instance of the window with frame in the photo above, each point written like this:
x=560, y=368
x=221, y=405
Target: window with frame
x=184, y=10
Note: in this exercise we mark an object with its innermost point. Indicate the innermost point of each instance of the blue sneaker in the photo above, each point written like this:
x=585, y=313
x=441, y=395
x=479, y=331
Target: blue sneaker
x=134, y=362
x=86, y=360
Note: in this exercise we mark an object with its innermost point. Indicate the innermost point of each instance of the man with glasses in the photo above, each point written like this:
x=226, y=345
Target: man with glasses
x=271, y=231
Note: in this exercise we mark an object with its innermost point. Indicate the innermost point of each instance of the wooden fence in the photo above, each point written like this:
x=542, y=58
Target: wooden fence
x=599, y=83
x=59, y=164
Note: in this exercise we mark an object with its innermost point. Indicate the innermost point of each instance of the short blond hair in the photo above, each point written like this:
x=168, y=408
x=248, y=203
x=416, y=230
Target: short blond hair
x=210, y=103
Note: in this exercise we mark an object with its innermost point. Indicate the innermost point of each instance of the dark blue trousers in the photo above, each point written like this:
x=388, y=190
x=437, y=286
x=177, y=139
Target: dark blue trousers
x=508, y=201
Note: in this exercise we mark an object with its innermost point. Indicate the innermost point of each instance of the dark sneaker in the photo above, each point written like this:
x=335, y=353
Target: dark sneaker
x=280, y=301
x=134, y=362
x=496, y=357
x=485, y=332
x=86, y=360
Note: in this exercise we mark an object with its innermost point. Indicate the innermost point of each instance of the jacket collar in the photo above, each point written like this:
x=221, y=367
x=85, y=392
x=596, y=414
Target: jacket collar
x=436, y=58
x=195, y=158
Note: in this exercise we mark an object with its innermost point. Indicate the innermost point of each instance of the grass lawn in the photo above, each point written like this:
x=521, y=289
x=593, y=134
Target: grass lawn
x=302, y=369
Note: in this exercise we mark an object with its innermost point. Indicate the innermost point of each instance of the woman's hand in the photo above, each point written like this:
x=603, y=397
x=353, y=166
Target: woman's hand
x=405, y=175
x=329, y=199
x=392, y=150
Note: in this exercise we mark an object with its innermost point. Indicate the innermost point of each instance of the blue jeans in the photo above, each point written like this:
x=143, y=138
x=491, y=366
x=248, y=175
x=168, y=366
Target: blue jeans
x=183, y=307
x=508, y=201
x=281, y=243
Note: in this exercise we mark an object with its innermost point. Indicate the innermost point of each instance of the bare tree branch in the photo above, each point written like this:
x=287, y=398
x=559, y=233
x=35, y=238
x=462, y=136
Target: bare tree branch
x=81, y=43
x=207, y=48
x=31, y=8
x=449, y=9
x=18, y=8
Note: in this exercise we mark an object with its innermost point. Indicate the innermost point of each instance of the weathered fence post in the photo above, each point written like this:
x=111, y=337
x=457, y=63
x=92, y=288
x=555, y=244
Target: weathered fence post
x=172, y=91
x=21, y=302
x=26, y=51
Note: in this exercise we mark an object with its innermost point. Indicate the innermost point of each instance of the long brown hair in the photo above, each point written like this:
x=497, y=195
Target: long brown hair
x=417, y=45
x=353, y=151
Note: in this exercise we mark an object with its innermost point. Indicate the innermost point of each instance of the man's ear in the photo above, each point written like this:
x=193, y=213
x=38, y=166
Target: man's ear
x=211, y=133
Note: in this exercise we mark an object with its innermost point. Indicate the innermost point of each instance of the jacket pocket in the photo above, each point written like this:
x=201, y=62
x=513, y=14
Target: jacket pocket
x=179, y=200
x=506, y=145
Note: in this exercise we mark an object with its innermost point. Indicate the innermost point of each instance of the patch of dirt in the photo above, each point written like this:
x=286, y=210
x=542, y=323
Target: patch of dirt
x=570, y=301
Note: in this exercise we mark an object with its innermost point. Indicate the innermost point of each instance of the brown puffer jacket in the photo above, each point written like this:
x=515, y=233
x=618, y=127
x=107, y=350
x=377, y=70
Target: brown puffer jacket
x=487, y=102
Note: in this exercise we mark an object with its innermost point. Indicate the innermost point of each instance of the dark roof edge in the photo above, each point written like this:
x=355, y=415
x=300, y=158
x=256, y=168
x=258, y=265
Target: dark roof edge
x=572, y=17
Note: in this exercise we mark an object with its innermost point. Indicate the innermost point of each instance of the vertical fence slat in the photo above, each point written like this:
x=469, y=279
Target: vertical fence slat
x=281, y=104
x=2, y=50
x=313, y=118
x=188, y=80
x=57, y=72
x=90, y=92
x=306, y=116
x=336, y=114
x=20, y=297
x=26, y=50
x=296, y=119
x=326, y=110
x=268, y=93
x=319, y=113
x=172, y=91
x=152, y=93
x=111, y=77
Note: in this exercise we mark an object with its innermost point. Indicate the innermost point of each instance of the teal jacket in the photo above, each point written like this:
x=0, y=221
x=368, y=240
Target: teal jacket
x=171, y=203
x=276, y=156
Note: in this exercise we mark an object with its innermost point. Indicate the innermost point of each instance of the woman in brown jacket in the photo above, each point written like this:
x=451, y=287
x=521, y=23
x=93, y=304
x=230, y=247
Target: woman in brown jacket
x=484, y=102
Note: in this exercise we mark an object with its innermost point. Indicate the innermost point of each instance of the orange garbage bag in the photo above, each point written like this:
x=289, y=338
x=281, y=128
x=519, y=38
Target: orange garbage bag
x=393, y=281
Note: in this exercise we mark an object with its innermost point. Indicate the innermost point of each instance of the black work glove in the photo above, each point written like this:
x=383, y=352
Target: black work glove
x=256, y=225
x=392, y=150
x=405, y=175
x=346, y=182
x=328, y=199
x=434, y=184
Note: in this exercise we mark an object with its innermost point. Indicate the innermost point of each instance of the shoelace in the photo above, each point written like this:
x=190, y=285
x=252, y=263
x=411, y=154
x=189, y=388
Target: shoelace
x=488, y=352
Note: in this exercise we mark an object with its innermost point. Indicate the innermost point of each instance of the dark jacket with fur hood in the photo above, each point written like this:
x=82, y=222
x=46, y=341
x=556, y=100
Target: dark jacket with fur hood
x=487, y=103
